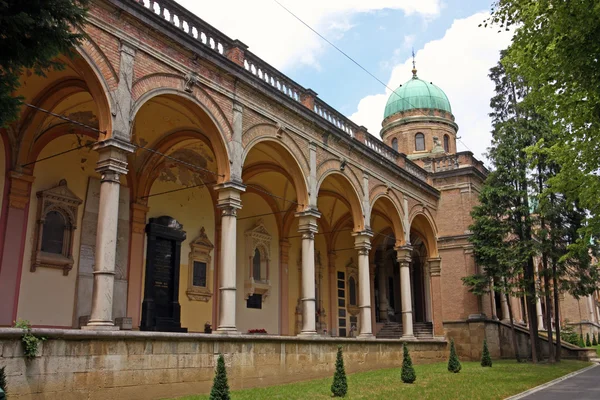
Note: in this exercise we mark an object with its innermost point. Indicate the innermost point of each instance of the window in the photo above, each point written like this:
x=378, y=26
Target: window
x=198, y=265
x=256, y=270
x=256, y=265
x=53, y=234
x=254, y=301
x=419, y=142
x=395, y=144
x=352, y=291
x=446, y=143
x=57, y=221
x=199, y=274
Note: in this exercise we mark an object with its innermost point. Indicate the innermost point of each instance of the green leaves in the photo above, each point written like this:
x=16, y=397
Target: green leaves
x=339, y=387
x=32, y=34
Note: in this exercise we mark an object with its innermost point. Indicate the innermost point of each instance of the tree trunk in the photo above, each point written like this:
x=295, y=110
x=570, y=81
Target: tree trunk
x=512, y=328
x=548, y=308
x=556, y=311
x=531, y=311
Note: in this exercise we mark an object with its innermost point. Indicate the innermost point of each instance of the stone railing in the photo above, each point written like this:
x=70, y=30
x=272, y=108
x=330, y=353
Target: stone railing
x=189, y=23
x=381, y=148
x=271, y=76
x=236, y=51
x=447, y=163
x=334, y=117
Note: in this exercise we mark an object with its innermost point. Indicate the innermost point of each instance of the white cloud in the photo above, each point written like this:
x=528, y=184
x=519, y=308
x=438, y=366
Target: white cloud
x=278, y=38
x=459, y=64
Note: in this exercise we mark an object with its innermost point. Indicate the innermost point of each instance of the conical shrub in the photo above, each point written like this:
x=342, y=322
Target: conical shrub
x=220, y=388
x=594, y=341
x=3, y=383
x=588, y=343
x=486, y=360
x=339, y=387
x=453, y=362
x=581, y=341
x=408, y=372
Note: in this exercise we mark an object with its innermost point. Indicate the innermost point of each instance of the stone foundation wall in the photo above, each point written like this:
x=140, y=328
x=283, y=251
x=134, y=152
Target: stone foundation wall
x=468, y=338
x=73, y=364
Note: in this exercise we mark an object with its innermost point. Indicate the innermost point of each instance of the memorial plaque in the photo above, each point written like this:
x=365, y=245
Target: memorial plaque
x=160, y=309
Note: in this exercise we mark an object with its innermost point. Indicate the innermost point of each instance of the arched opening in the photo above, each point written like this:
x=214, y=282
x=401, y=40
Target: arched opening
x=395, y=144
x=275, y=191
x=419, y=142
x=447, y=143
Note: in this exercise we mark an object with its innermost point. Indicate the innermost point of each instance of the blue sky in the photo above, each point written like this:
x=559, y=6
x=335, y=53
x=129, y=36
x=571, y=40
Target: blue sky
x=451, y=50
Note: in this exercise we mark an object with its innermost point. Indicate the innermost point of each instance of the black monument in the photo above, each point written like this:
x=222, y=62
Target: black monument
x=160, y=309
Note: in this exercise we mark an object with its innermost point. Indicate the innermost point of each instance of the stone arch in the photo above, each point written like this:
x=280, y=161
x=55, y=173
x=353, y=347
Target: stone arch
x=155, y=85
x=393, y=212
x=354, y=199
x=89, y=81
x=297, y=169
x=335, y=164
x=150, y=167
x=214, y=132
x=424, y=226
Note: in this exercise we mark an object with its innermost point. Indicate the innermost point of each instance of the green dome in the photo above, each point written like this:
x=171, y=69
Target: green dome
x=417, y=94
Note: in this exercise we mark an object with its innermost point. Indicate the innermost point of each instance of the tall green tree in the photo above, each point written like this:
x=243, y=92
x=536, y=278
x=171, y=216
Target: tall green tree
x=220, y=387
x=32, y=34
x=555, y=48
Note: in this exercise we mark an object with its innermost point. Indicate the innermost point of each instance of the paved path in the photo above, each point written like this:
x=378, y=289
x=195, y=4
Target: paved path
x=584, y=386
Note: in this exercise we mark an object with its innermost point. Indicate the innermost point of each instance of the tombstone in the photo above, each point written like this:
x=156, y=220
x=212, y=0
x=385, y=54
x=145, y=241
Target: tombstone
x=160, y=309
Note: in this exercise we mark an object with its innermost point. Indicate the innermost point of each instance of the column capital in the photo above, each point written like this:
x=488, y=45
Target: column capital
x=20, y=189
x=230, y=197
x=403, y=254
x=435, y=266
x=362, y=241
x=308, y=221
x=113, y=158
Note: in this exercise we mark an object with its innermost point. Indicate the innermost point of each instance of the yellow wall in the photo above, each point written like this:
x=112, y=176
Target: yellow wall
x=267, y=317
x=47, y=297
x=193, y=209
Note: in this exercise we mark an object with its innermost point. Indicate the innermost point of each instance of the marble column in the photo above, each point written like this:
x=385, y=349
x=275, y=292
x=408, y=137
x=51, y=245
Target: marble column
x=308, y=227
x=540, y=315
x=493, y=301
x=403, y=257
x=435, y=275
x=383, y=295
x=229, y=202
x=591, y=308
x=362, y=243
x=112, y=163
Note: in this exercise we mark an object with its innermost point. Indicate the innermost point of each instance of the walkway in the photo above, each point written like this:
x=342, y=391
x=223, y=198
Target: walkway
x=584, y=386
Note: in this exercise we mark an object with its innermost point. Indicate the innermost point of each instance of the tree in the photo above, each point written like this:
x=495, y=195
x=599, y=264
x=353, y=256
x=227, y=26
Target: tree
x=408, y=372
x=3, y=383
x=220, y=388
x=594, y=341
x=581, y=341
x=486, y=359
x=555, y=48
x=453, y=362
x=32, y=34
x=588, y=343
x=339, y=387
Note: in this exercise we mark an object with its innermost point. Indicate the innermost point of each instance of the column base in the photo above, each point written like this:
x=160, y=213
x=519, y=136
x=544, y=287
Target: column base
x=408, y=337
x=308, y=333
x=91, y=327
x=227, y=331
x=365, y=336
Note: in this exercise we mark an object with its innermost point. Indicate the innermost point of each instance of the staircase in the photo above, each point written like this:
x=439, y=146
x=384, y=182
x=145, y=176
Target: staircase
x=393, y=330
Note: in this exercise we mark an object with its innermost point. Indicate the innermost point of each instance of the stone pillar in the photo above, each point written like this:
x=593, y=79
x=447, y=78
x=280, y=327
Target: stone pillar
x=284, y=320
x=333, y=298
x=427, y=288
x=236, y=52
x=372, y=288
x=112, y=163
x=362, y=243
x=493, y=301
x=229, y=202
x=591, y=307
x=538, y=311
x=403, y=257
x=136, y=262
x=14, y=244
x=435, y=275
x=504, y=306
x=383, y=294
x=308, y=227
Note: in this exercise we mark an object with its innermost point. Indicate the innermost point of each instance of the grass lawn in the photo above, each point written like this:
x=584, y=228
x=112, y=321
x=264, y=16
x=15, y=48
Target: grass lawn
x=504, y=379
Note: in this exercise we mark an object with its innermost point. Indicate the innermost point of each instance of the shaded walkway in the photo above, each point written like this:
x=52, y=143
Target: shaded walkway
x=583, y=386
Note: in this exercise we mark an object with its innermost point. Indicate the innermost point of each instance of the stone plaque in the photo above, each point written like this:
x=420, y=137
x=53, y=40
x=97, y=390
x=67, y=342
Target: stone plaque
x=160, y=309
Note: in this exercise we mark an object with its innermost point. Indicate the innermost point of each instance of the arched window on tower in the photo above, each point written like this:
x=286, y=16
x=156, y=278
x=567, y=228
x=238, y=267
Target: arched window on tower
x=447, y=143
x=419, y=142
x=395, y=144
x=256, y=262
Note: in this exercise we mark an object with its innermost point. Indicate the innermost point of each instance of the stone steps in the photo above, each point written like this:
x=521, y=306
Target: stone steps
x=393, y=330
